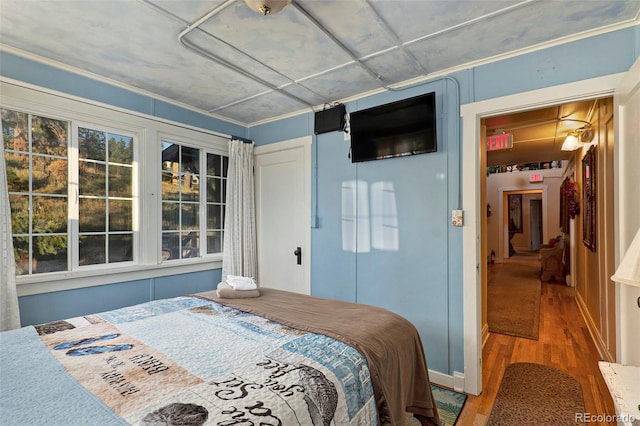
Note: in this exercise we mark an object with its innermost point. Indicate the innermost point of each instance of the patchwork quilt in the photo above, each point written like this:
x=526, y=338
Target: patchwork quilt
x=186, y=361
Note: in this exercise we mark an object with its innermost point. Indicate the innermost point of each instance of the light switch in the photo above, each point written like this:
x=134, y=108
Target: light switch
x=456, y=217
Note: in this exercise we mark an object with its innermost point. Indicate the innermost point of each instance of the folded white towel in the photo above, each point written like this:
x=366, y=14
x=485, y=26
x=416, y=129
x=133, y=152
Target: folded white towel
x=241, y=283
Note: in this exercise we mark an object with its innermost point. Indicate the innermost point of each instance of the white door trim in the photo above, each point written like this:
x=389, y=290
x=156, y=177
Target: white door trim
x=304, y=143
x=471, y=263
x=626, y=204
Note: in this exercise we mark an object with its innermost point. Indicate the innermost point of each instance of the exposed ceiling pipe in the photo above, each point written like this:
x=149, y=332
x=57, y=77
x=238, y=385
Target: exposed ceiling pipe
x=280, y=89
x=337, y=42
x=208, y=15
x=208, y=55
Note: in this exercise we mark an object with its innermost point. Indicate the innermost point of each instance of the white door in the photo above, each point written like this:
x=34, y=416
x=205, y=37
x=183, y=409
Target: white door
x=627, y=133
x=283, y=213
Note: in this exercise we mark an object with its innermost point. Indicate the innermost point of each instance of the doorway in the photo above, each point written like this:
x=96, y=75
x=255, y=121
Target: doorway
x=474, y=268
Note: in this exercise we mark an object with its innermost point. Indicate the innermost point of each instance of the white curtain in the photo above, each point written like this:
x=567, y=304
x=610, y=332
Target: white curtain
x=239, y=248
x=9, y=312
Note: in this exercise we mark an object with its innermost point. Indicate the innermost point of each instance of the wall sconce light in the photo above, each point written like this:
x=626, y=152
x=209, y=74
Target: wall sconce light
x=577, y=137
x=267, y=7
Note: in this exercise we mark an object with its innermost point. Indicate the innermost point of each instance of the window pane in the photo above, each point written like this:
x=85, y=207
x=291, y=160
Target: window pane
x=120, y=216
x=17, y=172
x=170, y=216
x=170, y=186
x=49, y=215
x=170, y=157
x=190, y=187
x=92, y=249
x=214, y=242
x=190, y=216
x=214, y=190
x=170, y=246
x=214, y=216
x=19, y=214
x=224, y=191
x=190, y=245
x=190, y=160
x=93, y=213
x=214, y=165
x=92, y=178
x=120, y=149
x=50, y=253
x=184, y=196
x=225, y=166
x=120, y=181
x=49, y=136
x=92, y=144
x=49, y=175
x=120, y=248
x=15, y=132
x=21, y=254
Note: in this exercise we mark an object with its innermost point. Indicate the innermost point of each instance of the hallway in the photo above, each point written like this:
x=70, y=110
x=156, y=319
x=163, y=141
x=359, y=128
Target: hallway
x=564, y=343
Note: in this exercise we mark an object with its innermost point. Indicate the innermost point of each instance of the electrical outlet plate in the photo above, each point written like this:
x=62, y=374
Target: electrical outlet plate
x=456, y=217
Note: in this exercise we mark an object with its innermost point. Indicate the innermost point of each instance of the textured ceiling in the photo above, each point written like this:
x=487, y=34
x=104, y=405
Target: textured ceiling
x=248, y=68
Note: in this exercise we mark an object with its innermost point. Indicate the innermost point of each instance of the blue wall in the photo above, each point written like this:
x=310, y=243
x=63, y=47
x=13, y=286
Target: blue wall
x=45, y=307
x=422, y=279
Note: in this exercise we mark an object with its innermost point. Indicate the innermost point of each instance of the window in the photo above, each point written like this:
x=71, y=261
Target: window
x=105, y=179
x=193, y=183
x=36, y=158
x=46, y=238
x=91, y=202
x=217, y=166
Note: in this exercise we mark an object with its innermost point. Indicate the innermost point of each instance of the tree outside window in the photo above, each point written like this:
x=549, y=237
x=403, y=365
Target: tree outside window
x=42, y=213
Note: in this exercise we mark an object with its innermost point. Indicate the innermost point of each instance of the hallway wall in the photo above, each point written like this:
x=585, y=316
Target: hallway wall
x=595, y=290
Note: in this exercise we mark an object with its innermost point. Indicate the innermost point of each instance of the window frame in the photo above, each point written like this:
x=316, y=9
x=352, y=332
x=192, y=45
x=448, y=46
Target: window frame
x=148, y=131
x=74, y=195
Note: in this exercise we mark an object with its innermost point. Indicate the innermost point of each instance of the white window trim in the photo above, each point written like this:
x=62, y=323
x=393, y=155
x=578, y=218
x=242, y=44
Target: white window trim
x=149, y=131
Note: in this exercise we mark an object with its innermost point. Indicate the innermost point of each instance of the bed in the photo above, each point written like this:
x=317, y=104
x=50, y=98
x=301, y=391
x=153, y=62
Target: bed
x=278, y=359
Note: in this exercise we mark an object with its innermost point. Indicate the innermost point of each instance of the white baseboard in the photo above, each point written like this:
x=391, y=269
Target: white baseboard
x=593, y=330
x=455, y=382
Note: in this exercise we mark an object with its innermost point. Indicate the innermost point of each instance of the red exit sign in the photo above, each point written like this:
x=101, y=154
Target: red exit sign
x=496, y=142
x=535, y=177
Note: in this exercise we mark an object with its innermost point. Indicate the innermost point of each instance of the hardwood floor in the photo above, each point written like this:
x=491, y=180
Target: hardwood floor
x=564, y=343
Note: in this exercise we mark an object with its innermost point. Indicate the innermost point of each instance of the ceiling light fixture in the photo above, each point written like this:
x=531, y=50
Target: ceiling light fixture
x=267, y=7
x=577, y=137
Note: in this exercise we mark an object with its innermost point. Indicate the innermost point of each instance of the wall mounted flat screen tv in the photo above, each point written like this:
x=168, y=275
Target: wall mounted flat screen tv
x=405, y=127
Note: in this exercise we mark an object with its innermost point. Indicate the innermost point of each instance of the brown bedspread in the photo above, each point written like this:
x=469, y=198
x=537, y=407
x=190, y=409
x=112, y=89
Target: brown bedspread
x=390, y=343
